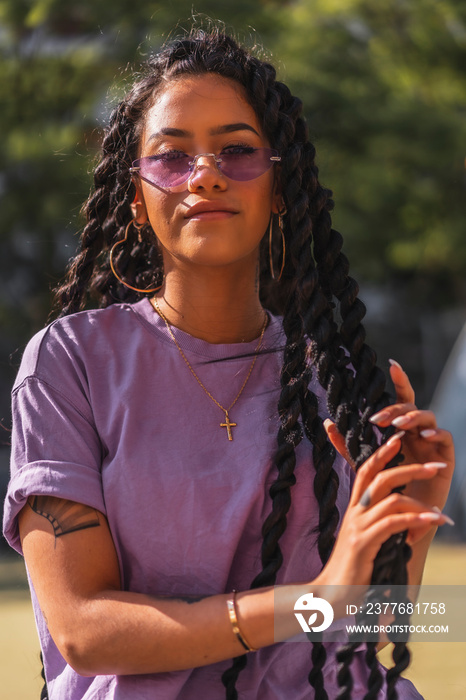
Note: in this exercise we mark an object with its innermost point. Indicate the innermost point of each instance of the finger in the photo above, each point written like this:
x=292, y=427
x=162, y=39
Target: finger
x=384, y=418
x=380, y=531
x=442, y=442
x=439, y=436
x=403, y=388
x=375, y=464
x=394, y=515
x=397, y=503
x=390, y=479
x=337, y=440
x=415, y=419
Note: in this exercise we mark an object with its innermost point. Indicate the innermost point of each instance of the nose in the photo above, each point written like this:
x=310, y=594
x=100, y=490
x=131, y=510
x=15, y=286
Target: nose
x=205, y=173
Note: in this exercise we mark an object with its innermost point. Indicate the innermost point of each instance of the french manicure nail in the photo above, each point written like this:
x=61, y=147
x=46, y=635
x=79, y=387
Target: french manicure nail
x=448, y=520
x=394, y=363
x=395, y=437
x=437, y=515
x=401, y=420
x=436, y=465
x=428, y=433
x=430, y=517
x=380, y=416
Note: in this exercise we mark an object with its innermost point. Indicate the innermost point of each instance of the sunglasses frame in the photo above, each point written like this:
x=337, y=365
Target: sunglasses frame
x=192, y=165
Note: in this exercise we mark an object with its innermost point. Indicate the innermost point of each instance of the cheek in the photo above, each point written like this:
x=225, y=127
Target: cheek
x=261, y=202
x=160, y=210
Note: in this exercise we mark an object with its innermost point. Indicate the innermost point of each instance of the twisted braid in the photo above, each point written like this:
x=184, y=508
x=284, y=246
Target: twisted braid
x=352, y=398
x=398, y=573
x=375, y=677
x=71, y=296
x=108, y=212
x=401, y=657
x=344, y=658
x=315, y=273
x=314, y=308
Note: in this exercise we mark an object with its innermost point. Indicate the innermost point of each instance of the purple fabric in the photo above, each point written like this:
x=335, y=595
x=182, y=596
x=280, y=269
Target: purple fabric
x=107, y=413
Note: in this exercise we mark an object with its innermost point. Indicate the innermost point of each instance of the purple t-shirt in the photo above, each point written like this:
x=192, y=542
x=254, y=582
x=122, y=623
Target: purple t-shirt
x=107, y=413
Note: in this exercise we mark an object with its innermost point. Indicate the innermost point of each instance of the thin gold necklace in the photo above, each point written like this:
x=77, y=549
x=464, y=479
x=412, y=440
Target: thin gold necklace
x=227, y=424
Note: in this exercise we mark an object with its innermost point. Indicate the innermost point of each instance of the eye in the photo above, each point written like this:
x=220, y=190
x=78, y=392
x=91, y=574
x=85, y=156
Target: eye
x=171, y=155
x=239, y=149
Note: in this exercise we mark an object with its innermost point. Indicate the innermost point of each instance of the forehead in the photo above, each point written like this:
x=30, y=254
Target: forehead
x=198, y=104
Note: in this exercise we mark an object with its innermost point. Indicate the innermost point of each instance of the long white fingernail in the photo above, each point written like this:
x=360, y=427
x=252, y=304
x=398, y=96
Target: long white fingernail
x=380, y=416
x=395, y=437
x=401, y=420
x=448, y=520
x=428, y=433
x=430, y=517
x=394, y=363
x=436, y=465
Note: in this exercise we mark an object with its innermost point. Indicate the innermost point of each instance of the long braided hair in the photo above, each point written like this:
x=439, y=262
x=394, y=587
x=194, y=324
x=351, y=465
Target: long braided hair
x=322, y=314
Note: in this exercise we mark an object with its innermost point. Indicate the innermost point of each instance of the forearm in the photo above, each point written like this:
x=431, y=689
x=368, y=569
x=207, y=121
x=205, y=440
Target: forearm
x=121, y=632
x=100, y=629
x=418, y=558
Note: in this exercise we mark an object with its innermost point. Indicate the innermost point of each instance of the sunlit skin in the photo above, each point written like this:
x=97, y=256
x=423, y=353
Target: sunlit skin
x=210, y=258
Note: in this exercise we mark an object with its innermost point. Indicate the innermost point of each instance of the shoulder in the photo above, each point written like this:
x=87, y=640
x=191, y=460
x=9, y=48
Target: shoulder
x=74, y=341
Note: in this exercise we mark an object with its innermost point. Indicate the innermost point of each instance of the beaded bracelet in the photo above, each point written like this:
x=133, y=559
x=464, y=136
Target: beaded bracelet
x=231, y=605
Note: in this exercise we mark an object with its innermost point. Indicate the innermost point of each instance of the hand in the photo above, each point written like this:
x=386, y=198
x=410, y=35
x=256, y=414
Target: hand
x=422, y=440
x=374, y=513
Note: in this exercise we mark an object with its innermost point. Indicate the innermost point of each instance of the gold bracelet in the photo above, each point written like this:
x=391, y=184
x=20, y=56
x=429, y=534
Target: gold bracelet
x=231, y=605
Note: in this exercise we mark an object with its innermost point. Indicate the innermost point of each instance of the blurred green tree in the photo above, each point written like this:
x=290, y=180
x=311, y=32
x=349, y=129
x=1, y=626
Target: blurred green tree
x=384, y=86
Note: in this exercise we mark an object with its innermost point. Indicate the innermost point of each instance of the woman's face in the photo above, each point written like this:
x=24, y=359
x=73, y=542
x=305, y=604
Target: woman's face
x=195, y=115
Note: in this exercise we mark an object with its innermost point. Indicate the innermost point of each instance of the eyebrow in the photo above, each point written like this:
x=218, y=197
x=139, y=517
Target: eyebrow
x=216, y=131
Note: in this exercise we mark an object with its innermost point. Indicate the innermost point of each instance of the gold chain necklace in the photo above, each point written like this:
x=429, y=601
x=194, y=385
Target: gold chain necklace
x=227, y=424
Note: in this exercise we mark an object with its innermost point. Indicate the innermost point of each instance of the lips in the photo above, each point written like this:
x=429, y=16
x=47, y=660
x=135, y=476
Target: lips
x=208, y=208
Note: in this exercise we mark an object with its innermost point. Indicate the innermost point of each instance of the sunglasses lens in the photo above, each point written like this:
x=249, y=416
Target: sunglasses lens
x=166, y=170
x=246, y=164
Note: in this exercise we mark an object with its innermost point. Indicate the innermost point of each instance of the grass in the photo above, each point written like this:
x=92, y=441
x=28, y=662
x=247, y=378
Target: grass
x=438, y=669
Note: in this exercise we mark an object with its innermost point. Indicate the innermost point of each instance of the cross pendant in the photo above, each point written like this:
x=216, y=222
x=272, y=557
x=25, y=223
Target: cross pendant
x=228, y=425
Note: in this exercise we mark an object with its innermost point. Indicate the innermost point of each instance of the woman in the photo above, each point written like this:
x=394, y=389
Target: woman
x=148, y=477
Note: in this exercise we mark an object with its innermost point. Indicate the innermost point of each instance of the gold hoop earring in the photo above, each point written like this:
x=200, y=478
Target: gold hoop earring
x=112, y=264
x=281, y=214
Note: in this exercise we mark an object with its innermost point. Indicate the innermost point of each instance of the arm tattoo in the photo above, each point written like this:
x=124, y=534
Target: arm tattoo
x=64, y=516
x=191, y=599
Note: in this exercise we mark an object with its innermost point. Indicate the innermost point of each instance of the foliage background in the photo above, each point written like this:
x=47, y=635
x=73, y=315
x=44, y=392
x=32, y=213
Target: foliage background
x=384, y=91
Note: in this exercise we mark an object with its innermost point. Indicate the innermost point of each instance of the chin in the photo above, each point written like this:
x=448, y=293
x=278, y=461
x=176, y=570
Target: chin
x=209, y=255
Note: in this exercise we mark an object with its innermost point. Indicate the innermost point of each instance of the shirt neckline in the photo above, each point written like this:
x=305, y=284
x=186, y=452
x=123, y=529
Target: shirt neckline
x=273, y=335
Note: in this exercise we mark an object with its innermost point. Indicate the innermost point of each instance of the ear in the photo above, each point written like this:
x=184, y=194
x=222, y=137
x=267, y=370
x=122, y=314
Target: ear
x=138, y=205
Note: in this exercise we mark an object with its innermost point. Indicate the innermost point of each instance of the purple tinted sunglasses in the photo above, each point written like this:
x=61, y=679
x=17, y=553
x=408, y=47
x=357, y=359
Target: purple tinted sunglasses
x=168, y=170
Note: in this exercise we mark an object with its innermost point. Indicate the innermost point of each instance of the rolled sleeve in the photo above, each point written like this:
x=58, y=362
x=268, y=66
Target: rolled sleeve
x=56, y=451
